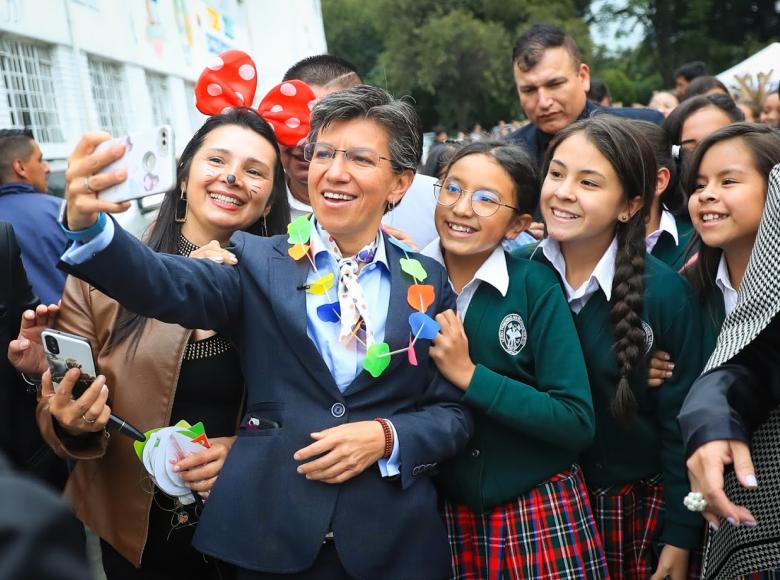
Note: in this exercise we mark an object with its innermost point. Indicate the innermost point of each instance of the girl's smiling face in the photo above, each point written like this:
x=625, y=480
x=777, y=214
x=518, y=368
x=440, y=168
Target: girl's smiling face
x=728, y=200
x=582, y=196
x=462, y=231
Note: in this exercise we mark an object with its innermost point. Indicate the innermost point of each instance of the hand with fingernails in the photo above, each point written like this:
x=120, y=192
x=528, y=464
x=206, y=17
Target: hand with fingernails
x=87, y=414
x=706, y=467
x=26, y=352
x=200, y=470
x=216, y=253
x=84, y=181
x=659, y=368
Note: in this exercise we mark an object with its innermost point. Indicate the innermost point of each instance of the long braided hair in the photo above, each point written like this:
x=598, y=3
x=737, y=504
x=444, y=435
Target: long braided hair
x=633, y=160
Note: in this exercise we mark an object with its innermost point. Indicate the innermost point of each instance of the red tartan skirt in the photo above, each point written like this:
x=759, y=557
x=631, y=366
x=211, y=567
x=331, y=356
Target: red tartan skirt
x=548, y=533
x=629, y=519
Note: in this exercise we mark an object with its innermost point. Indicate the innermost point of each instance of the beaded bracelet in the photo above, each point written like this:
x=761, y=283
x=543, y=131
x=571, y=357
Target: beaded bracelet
x=388, y=436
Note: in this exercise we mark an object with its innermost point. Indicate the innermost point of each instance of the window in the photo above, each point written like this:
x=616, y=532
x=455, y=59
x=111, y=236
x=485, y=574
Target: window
x=29, y=88
x=160, y=98
x=108, y=91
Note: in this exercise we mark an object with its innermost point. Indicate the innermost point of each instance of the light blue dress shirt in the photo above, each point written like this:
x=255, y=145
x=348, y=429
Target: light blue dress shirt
x=344, y=361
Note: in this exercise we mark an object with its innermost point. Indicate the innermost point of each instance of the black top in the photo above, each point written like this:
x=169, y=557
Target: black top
x=19, y=435
x=210, y=387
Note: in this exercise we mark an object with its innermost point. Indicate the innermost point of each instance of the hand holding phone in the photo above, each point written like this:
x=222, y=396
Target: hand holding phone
x=66, y=353
x=150, y=161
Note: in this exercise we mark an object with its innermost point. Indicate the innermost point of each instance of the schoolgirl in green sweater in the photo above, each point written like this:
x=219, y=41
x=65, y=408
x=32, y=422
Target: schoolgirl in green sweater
x=600, y=180
x=515, y=502
x=668, y=230
x=730, y=181
x=725, y=208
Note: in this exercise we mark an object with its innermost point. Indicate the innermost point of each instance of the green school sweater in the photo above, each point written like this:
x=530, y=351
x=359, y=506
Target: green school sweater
x=674, y=255
x=653, y=443
x=530, y=397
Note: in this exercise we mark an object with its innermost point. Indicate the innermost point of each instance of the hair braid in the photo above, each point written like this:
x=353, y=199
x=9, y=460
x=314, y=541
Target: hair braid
x=628, y=289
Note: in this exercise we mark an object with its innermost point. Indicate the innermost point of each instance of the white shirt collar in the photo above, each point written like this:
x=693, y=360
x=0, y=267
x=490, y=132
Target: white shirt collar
x=494, y=270
x=668, y=224
x=723, y=282
x=297, y=207
x=601, y=277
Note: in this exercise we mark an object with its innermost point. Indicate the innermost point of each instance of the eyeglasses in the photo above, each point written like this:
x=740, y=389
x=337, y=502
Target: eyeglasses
x=484, y=203
x=358, y=156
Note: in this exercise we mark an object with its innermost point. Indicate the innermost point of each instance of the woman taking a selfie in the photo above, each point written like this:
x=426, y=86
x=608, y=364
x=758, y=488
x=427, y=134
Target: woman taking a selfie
x=229, y=178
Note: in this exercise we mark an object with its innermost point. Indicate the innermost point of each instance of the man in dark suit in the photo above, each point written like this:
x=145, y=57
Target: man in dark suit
x=553, y=83
x=19, y=436
x=330, y=474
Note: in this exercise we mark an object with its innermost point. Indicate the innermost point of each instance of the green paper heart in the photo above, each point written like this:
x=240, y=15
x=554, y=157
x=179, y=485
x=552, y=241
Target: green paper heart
x=414, y=269
x=377, y=358
x=299, y=230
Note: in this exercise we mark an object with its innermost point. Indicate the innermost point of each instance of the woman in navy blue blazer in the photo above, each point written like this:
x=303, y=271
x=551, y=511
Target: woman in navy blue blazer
x=346, y=415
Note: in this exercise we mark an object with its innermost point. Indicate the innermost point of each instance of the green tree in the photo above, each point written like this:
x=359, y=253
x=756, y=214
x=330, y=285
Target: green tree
x=453, y=57
x=620, y=86
x=718, y=32
x=459, y=60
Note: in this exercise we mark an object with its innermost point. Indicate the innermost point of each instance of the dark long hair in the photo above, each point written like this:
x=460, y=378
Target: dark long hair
x=673, y=125
x=764, y=144
x=673, y=196
x=163, y=235
x=633, y=160
x=517, y=164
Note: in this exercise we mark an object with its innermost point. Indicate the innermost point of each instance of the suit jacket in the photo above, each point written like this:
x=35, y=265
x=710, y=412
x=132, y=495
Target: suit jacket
x=262, y=514
x=536, y=142
x=40, y=537
x=732, y=400
x=19, y=437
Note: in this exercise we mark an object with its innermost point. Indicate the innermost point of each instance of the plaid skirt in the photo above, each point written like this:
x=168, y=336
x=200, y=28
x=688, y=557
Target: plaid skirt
x=548, y=533
x=629, y=519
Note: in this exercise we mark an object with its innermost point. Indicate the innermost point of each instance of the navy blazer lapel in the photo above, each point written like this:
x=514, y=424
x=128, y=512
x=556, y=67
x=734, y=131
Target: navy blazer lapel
x=397, y=323
x=288, y=300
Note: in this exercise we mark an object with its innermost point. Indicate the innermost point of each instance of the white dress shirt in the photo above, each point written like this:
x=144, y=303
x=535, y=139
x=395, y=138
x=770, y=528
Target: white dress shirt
x=492, y=271
x=297, y=208
x=668, y=224
x=723, y=282
x=601, y=277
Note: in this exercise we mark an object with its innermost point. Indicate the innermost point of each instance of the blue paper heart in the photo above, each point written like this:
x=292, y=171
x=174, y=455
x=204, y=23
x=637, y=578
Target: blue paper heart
x=430, y=328
x=329, y=312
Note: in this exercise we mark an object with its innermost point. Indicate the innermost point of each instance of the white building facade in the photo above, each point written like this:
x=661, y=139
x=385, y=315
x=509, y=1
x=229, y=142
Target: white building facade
x=71, y=66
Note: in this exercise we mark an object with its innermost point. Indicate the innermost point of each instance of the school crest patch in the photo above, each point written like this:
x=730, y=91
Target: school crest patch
x=512, y=334
x=649, y=337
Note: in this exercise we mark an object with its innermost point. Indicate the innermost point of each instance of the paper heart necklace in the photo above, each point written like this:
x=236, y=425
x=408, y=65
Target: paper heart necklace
x=419, y=296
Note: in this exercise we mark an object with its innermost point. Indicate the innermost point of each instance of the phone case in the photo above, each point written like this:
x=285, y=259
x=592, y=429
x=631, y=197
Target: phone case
x=150, y=160
x=65, y=351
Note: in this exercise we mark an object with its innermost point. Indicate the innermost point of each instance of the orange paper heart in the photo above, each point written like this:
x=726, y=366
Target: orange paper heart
x=298, y=251
x=420, y=296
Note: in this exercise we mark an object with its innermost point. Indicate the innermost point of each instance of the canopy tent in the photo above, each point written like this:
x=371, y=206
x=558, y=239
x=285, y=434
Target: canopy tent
x=765, y=61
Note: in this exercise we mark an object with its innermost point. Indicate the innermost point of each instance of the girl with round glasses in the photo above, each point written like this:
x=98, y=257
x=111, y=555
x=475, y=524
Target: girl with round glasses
x=513, y=350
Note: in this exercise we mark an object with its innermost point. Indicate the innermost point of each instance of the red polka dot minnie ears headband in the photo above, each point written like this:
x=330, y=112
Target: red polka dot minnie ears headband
x=231, y=80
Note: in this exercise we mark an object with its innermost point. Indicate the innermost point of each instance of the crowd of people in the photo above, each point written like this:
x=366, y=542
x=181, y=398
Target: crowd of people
x=547, y=352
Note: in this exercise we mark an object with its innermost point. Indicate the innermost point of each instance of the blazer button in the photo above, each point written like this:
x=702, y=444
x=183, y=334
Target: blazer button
x=338, y=410
x=475, y=453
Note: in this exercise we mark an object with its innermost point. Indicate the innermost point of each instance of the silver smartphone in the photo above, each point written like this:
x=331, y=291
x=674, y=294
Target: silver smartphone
x=66, y=351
